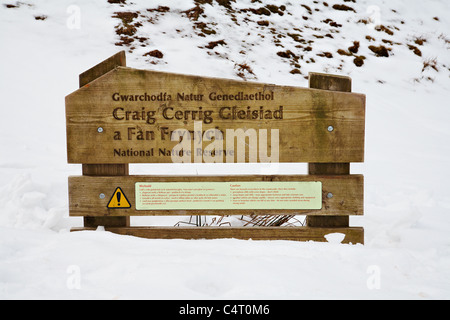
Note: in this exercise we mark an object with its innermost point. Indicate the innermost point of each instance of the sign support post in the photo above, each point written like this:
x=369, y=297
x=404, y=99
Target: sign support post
x=332, y=83
x=119, y=59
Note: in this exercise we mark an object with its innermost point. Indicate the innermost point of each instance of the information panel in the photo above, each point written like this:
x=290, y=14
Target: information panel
x=228, y=195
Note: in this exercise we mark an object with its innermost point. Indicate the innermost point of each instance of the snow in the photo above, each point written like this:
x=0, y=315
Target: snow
x=407, y=206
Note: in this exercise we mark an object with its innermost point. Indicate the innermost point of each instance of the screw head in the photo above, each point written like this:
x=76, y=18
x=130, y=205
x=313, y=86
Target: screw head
x=329, y=195
x=101, y=196
x=99, y=129
x=330, y=128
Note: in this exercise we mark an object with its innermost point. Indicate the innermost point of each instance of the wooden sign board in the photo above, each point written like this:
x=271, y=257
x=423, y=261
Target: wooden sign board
x=347, y=191
x=122, y=115
x=130, y=115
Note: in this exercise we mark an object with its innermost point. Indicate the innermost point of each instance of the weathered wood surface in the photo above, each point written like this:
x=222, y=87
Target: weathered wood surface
x=105, y=169
x=92, y=170
x=353, y=235
x=98, y=130
x=329, y=82
x=329, y=168
x=98, y=111
x=332, y=83
x=119, y=59
x=84, y=194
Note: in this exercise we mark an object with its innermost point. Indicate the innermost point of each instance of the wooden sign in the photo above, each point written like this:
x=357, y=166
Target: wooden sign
x=122, y=115
x=140, y=116
x=346, y=190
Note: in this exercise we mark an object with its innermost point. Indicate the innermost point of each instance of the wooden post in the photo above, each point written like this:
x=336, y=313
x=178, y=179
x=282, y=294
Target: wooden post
x=119, y=59
x=332, y=83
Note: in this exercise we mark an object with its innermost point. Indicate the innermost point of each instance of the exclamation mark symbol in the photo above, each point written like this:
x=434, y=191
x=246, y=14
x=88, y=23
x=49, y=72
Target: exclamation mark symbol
x=119, y=195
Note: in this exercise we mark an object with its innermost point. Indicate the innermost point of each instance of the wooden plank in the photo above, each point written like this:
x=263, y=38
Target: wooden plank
x=327, y=221
x=332, y=83
x=85, y=199
x=104, y=128
x=329, y=82
x=118, y=59
x=95, y=72
x=105, y=169
x=328, y=168
x=353, y=235
x=94, y=222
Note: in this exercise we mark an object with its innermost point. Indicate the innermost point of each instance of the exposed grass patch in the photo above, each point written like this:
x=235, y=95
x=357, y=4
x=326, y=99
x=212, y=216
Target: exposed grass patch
x=328, y=55
x=380, y=51
x=126, y=17
x=161, y=9
x=332, y=23
x=420, y=41
x=343, y=7
x=245, y=67
x=285, y=54
x=359, y=61
x=244, y=70
x=355, y=47
x=194, y=13
x=126, y=28
x=381, y=28
x=343, y=52
x=11, y=6
x=124, y=41
x=214, y=44
x=416, y=50
x=41, y=17
x=307, y=8
x=225, y=3
x=203, y=1
x=430, y=63
x=204, y=28
x=155, y=53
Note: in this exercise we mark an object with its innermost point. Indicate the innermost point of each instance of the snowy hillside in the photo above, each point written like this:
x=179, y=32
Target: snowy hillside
x=396, y=52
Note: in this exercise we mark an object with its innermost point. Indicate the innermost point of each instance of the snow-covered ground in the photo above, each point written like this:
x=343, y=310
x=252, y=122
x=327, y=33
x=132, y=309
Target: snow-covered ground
x=47, y=43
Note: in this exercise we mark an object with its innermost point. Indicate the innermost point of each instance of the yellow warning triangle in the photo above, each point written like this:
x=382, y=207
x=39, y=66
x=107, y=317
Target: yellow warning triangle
x=118, y=200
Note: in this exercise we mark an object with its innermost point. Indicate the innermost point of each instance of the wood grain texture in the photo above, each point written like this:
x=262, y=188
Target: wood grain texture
x=118, y=59
x=105, y=169
x=331, y=83
x=94, y=222
x=303, y=134
x=95, y=72
x=327, y=221
x=92, y=130
x=84, y=194
x=353, y=235
x=329, y=168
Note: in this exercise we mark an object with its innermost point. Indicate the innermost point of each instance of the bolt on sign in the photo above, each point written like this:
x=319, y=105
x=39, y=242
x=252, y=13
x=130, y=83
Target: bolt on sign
x=121, y=115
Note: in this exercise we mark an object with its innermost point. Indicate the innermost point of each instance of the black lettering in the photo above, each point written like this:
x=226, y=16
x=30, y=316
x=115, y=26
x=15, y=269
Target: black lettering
x=115, y=113
x=224, y=113
x=164, y=113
